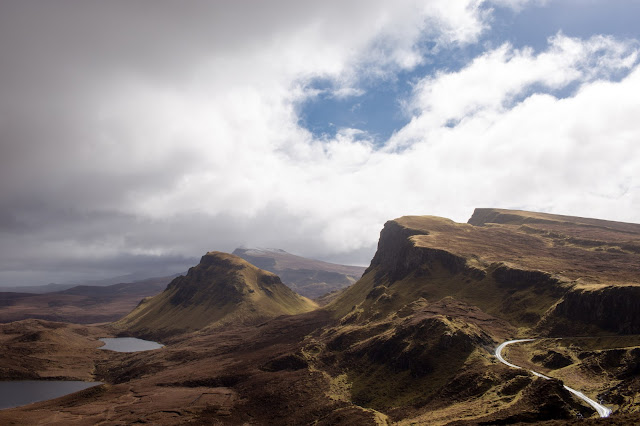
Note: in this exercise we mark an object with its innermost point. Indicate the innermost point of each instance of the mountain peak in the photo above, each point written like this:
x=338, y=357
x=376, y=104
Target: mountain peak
x=222, y=289
x=225, y=262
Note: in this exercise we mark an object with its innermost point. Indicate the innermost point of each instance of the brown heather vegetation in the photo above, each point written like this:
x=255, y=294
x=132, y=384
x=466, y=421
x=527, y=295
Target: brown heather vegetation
x=411, y=342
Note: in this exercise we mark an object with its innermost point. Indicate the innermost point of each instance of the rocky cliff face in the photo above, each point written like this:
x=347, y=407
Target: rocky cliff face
x=222, y=289
x=491, y=216
x=601, y=257
x=398, y=256
x=615, y=309
x=434, y=258
x=535, y=270
x=440, y=293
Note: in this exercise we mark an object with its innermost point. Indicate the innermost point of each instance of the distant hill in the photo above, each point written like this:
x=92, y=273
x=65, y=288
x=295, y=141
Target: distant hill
x=82, y=304
x=37, y=289
x=308, y=277
x=54, y=287
x=222, y=289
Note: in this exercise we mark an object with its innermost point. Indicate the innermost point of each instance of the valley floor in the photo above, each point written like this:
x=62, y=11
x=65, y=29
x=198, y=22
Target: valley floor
x=284, y=371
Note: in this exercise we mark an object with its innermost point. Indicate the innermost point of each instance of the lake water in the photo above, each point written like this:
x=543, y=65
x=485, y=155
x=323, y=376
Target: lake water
x=129, y=344
x=22, y=392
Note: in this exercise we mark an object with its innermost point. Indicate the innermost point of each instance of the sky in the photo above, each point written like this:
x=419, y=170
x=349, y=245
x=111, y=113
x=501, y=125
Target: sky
x=137, y=135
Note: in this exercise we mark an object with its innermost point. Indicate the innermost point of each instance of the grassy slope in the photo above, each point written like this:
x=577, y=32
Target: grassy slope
x=522, y=306
x=517, y=270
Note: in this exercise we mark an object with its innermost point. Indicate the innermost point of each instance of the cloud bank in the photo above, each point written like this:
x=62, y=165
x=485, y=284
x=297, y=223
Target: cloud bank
x=138, y=136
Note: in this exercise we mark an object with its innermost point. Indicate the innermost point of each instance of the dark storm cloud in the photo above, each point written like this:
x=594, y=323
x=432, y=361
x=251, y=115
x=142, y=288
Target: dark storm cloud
x=71, y=166
x=99, y=245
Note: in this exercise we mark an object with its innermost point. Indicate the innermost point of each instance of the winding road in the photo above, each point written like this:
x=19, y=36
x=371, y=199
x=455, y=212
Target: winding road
x=601, y=409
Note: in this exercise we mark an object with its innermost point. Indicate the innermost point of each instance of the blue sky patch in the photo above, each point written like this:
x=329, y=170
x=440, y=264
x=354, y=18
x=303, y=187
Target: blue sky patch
x=379, y=111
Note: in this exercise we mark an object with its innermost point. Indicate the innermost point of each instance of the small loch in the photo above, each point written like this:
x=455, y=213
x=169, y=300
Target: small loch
x=15, y=393
x=23, y=392
x=129, y=344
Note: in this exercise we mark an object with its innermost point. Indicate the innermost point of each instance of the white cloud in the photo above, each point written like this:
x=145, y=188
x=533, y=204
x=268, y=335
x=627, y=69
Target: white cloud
x=199, y=147
x=518, y=5
x=492, y=81
x=574, y=155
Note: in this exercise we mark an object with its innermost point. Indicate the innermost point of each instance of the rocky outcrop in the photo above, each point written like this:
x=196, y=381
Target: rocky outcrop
x=613, y=308
x=397, y=256
x=431, y=257
x=519, y=277
x=552, y=360
x=483, y=216
x=414, y=358
x=230, y=283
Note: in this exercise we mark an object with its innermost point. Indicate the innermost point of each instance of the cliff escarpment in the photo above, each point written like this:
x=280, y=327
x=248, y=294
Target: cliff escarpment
x=601, y=257
x=434, y=258
x=491, y=216
x=397, y=255
x=440, y=293
x=612, y=308
x=534, y=270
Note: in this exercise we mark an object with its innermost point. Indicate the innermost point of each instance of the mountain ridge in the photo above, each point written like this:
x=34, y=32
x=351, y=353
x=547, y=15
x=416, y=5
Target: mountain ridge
x=526, y=264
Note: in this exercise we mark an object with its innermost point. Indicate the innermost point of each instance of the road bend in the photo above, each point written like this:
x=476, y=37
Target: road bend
x=601, y=409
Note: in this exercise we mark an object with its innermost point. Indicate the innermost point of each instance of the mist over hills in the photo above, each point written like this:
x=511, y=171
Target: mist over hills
x=102, y=300
x=308, y=277
x=412, y=341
